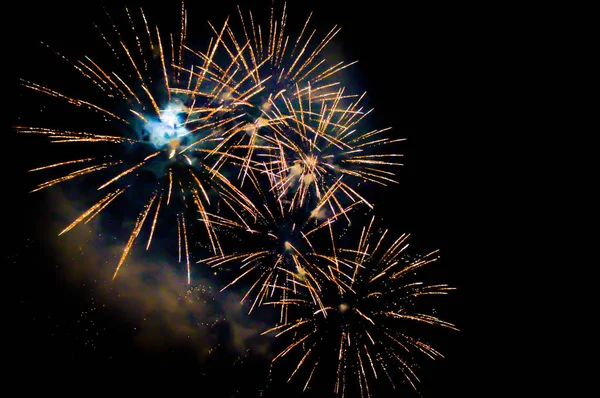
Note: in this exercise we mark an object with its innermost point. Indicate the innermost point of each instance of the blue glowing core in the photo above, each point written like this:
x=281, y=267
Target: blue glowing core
x=169, y=127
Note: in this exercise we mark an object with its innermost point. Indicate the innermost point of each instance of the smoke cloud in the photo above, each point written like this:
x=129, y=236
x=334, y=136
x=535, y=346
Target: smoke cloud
x=150, y=290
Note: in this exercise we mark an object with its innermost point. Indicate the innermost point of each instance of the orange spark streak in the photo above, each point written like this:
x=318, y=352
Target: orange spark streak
x=134, y=234
x=128, y=170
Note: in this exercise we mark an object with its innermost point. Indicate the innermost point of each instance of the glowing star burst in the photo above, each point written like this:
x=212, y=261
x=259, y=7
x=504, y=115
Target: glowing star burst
x=164, y=121
x=264, y=64
x=364, y=328
x=320, y=155
x=280, y=262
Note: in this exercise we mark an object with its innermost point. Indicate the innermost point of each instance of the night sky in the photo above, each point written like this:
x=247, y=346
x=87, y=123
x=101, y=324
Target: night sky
x=72, y=324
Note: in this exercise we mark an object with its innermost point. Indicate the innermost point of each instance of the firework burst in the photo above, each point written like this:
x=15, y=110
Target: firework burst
x=166, y=121
x=320, y=152
x=363, y=328
x=264, y=64
x=280, y=262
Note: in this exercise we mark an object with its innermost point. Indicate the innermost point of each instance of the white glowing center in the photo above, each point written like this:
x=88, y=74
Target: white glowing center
x=169, y=129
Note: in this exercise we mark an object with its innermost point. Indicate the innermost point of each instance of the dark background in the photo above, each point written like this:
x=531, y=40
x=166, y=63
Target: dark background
x=413, y=62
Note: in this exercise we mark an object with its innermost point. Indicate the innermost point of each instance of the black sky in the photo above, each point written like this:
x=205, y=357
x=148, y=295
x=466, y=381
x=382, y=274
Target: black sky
x=412, y=63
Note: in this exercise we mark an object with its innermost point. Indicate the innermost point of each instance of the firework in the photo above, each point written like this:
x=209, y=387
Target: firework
x=280, y=262
x=300, y=120
x=256, y=136
x=321, y=153
x=263, y=65
x=165, y=120
x=365, y=324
